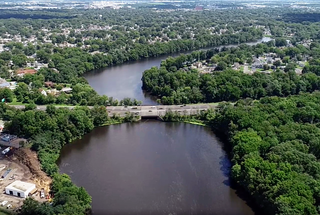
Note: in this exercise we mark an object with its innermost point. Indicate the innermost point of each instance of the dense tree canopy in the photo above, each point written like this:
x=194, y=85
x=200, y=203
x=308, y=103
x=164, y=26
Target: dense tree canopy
x=275, y=150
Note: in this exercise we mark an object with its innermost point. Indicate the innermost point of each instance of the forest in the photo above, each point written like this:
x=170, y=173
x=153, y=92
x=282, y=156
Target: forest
x=275, y=150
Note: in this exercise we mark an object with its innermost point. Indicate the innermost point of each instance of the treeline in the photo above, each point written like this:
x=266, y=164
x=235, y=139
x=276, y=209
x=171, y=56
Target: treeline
x=49, y=131
x=200, y=117
x=188, y=87
x=275, y=150
x=176, y=83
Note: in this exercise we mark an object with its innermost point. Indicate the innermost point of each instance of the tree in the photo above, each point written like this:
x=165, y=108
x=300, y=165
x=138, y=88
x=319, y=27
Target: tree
x=221, y=66
x=277, y=63
x=19, y=60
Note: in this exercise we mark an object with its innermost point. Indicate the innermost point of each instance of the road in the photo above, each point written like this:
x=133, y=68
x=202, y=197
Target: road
x=143, y=111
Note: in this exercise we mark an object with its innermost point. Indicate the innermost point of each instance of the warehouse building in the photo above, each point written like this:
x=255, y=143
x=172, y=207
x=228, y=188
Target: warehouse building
x=20, y=189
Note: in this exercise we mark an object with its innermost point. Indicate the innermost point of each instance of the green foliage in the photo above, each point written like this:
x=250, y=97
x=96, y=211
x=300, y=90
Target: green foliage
x=183, y=85
x=275, y=150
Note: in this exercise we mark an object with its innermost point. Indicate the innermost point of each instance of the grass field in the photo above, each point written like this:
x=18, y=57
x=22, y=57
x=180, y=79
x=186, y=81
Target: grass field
x=15, y=102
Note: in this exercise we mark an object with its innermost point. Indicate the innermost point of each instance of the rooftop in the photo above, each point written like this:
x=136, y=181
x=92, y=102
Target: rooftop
x=26, y=71
x=20, y=186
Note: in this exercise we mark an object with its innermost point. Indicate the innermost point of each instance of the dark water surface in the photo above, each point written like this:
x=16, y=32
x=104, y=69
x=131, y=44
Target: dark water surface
x=153, y=168
x=125, y=80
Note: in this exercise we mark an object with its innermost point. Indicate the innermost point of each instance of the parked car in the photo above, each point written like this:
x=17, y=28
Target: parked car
x=4, y=203
x=6, y=151
x=42, y=193
x=9, y=206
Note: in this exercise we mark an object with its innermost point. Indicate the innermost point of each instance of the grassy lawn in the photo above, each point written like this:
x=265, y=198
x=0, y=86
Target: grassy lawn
x=15, y=102
x=213, y=103
x=195, y=123
x=4, y=211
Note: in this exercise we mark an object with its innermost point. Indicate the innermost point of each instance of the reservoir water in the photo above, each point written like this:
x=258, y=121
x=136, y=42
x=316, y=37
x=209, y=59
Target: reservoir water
x=153, y=168
x=125, y=80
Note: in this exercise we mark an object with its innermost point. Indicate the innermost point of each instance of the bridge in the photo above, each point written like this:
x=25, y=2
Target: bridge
x=144, y=111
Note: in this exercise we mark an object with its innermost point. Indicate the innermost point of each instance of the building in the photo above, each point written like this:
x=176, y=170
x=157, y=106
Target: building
x=22, y=72
x=49, y=84
x=20, y=189
x=66, y=90
x=4, y=83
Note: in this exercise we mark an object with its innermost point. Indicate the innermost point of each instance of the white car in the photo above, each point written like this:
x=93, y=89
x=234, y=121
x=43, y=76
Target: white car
x=4, y=203
x=6, y=151
x=9, y=206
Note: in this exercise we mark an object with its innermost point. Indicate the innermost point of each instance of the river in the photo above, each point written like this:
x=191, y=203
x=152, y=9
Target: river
x=151, y=167
x=125, y=80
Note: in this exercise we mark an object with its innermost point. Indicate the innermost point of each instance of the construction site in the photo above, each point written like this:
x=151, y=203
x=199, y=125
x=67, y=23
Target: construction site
x=21, y=166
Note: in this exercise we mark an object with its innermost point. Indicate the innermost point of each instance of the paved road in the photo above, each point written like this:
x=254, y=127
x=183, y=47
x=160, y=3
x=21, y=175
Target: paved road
x=143, y=111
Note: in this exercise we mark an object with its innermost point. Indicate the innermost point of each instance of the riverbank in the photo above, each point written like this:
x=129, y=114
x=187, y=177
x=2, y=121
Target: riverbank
x=124, y=80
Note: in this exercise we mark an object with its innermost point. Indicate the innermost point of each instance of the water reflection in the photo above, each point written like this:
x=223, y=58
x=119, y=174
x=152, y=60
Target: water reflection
x=153, y=168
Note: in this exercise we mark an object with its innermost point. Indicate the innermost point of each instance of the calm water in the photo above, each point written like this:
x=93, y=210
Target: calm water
x=153, y=168
x=125, y=80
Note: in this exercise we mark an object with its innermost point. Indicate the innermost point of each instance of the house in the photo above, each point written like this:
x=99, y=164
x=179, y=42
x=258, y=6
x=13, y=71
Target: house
x=53, y=92
x=236, y=66
x=198, y=65
x=20, y=189
x=22, y=72
x=66, y=90
x=13, y=85
x=43, y=92
x=257, y=64
x=49, y=84
x=4, y=83
x=298, y=71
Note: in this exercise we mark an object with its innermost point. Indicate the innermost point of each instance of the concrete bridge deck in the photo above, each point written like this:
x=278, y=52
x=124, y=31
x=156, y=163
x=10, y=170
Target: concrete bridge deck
x=144, y=110
x=159, y=110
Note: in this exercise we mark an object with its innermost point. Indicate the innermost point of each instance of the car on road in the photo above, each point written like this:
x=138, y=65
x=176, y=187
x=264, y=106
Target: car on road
x=150, y=110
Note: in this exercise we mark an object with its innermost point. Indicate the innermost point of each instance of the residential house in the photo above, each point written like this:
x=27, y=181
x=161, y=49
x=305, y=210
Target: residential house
x=49, y=84
x=13, y=85
x=4, y=83
x=53, y=92
x=66, y=90
x=43, y=92
x=236, y=66
x=22, y=72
